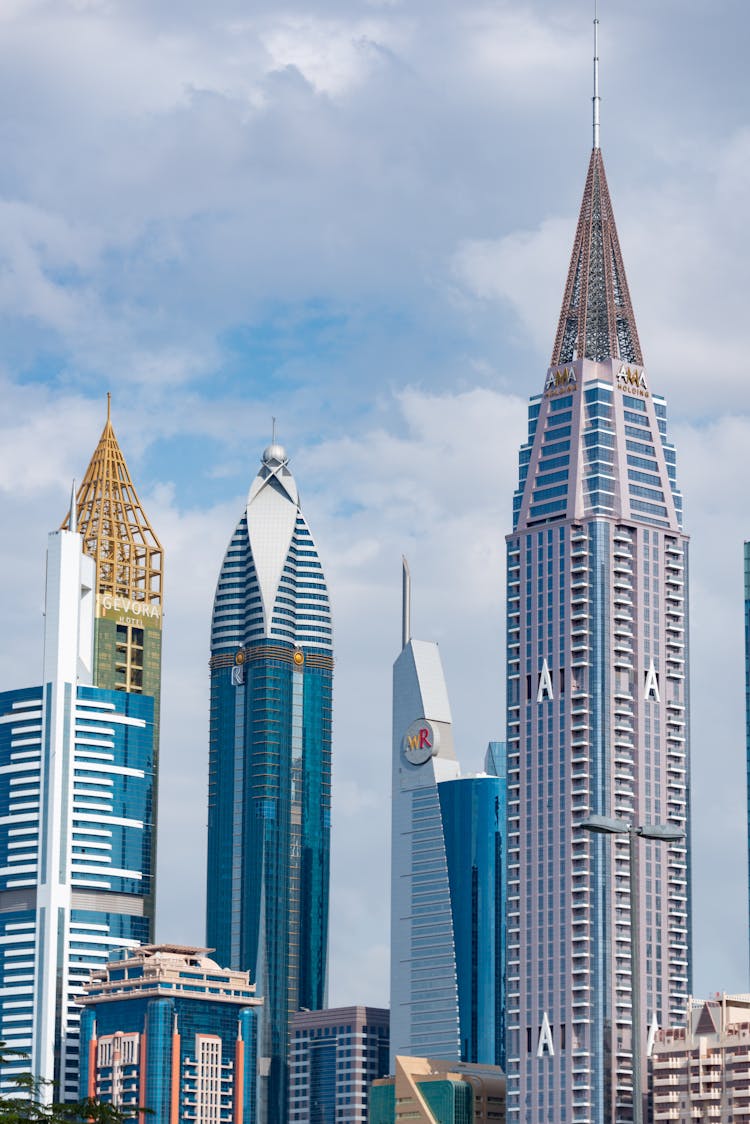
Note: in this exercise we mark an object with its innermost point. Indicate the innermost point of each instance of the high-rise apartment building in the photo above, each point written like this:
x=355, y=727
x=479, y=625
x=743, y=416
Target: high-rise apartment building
x=335, y=1055
x=700, y=1070
x=164, y=1028
x=270, y=765
x=76, y=821
x=447, y=927
x=597, y=702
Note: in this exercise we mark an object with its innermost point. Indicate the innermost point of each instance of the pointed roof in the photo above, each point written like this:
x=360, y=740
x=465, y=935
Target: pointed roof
x=596, y=320
x=115, y=531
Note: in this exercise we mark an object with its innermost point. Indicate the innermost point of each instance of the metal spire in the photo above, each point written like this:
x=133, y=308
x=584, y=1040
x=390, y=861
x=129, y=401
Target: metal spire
x=596, y=99
x=405, y=603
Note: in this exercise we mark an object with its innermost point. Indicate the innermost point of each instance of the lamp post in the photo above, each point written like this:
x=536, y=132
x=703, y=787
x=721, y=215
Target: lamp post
x=667, y=833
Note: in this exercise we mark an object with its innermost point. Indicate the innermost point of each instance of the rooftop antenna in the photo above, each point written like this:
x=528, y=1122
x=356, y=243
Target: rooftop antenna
x=596, y=99
x=273, y=431
x=109, y=404
x=405, y=603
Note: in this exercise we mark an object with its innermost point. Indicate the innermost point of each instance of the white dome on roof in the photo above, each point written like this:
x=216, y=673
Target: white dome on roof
x=274, y=455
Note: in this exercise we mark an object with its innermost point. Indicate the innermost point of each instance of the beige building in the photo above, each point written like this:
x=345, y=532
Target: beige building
x=701, y=1071
x=428, y=1091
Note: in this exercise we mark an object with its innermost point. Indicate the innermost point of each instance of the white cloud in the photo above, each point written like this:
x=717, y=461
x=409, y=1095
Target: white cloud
x=296, y=211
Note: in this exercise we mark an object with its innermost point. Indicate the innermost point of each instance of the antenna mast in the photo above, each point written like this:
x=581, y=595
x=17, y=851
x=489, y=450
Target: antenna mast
x=405, y=603
x=596, y=99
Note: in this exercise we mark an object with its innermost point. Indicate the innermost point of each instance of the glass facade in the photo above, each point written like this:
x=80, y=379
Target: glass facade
x=473, y=815
x=597, y=724
x=597, y=704
x=175, y=1054
x=335, y=1055
x=270, y=764
x=448, y=878
x=103, y=858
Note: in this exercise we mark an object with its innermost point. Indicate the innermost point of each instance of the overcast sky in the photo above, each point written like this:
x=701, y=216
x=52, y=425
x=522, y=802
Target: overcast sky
x=357, y=216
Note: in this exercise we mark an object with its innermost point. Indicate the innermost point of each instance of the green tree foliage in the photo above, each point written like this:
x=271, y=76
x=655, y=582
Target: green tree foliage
x=29, y=1102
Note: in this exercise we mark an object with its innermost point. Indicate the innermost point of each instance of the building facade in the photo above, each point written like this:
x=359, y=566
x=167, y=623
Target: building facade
x=701, y=1069
x=472, y=814
x=335, y=1055
x=447, y=929
x=76, y=819
x=597, y=702
x=429, y=1091
x=165, y=1029
x=747, y=689
x=270, y=765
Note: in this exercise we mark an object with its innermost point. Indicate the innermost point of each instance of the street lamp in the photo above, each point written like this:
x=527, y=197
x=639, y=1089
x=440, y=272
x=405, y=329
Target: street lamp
x=666, y=833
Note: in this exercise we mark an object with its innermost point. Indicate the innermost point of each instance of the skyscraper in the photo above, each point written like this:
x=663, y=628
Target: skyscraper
x=76, y=807
x=446, y=876
x=270, y=765
x=597, y=701
x=129, y=590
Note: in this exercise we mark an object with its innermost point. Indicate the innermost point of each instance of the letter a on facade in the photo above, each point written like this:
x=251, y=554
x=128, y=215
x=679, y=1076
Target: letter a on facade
x=545, y=684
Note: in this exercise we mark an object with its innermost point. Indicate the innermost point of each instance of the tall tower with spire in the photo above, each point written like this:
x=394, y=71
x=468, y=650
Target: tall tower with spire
x=128, y=582
x=77, y=783
x=129, y=572
x=597, y=701
x=269, y=789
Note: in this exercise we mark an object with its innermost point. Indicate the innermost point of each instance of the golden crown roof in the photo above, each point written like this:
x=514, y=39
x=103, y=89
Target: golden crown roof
x=115, y=531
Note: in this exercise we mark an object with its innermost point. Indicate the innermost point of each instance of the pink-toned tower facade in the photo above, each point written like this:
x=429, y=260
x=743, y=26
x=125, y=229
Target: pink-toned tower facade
x=597, y=703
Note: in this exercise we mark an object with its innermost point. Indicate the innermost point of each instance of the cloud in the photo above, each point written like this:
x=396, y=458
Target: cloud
x=358, y=217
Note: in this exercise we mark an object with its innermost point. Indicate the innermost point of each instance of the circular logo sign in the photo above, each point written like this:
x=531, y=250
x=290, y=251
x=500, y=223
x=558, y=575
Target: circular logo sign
x=240, y=657
x=421, y=742
x=299, y=658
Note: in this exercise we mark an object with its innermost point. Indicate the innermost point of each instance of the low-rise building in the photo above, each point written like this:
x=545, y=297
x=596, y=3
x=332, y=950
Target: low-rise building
x=334, y=1056
x=164, y=1028
x=430, y=1091
x=701, y=1071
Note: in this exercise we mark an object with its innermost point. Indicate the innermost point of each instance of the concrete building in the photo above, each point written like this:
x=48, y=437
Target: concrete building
x=700, y=1071
x=76, y=796
x=431, y=1091
x=597, y=702
x=447, y=873
x=164, y=1028
x=269, y=800
x=335, y=1055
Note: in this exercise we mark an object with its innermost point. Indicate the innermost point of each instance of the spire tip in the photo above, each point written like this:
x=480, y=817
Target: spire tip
x=596, y=99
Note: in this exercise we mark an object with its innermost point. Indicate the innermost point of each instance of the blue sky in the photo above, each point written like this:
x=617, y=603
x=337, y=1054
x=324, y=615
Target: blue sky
x=357, y=217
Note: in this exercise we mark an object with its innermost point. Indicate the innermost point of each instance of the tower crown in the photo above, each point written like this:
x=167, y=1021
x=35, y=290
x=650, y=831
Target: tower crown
x=596, y=319
x=114, y=527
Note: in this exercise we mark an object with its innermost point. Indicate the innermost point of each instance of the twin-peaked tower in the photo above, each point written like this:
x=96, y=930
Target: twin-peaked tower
x=597, y=703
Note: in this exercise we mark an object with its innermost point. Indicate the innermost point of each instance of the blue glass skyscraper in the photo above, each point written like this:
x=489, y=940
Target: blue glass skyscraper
x=270, y=765
x=76, y=827
x=447, y=880
x=473, y=815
